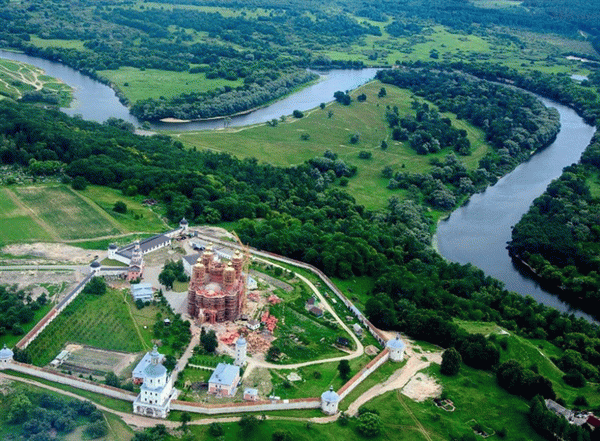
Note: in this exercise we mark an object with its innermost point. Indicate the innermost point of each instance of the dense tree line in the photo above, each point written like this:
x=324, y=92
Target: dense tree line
x=222, y=101
x=40, y=417
x=558, y=237
x=17, y=309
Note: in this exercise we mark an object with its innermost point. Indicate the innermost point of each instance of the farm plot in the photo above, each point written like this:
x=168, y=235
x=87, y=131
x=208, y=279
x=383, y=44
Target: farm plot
x=100, y=321
x=16, y=223
x=65, y=212
x=97, y=361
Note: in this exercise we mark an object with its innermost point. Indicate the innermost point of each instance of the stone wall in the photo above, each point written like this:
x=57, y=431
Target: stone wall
x=69, y=380
x=256, y=406
x=53, y=313
x=364, y=373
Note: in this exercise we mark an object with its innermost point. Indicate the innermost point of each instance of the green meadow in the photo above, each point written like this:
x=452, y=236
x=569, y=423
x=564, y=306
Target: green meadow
x=283, y=144
x=138, y=84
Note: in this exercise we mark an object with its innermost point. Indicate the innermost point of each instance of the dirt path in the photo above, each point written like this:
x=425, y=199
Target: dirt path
x=38, y=220
x=398, y=379
x=414, y=418
x=135, y=325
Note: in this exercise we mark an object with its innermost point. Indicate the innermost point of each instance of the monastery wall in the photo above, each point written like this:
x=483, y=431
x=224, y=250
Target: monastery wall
x=256, y=406
x=364, y=373
x=79, y=383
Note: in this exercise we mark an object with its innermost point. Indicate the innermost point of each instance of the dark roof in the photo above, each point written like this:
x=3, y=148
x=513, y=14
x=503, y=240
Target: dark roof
x=95, y=264
x=310, y=301
x=145, y=245
x=183, y=221
x=316, y=311
x=343, y=341
x=112, y=246
x=192, y=258
x=593, y=421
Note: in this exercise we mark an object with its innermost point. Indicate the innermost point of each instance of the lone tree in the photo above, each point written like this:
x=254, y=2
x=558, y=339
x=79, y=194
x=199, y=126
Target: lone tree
x=209, y=341
x=120, y=207
x=344, y=369
x=451, y=361
x=96, y=286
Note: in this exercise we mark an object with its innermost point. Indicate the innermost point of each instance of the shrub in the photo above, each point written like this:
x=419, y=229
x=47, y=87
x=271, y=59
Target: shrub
x=369, y=425
x=575, y=379
x=298, y=114
x=120, y=207
x=305, y=137
x=363, y=154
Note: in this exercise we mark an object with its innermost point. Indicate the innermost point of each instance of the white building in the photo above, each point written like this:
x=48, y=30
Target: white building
x=138, y=373
x=241, y=345
x=250, y=394
x=142, y=291
x=95, y=267
x=157, y=390
x=253, y=325
x=224, y=380
x=330, y=401
x=396, y=347
x=6, y=357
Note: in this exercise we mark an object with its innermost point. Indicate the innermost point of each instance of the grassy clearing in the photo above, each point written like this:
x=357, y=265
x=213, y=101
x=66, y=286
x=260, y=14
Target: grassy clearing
x=67, y=213
x=138, y=217
x=139, y=84
x=66, y=44
x=282, y=145
x=103, y=322
x=536, y=353
x=315, y=379
x=476, y=397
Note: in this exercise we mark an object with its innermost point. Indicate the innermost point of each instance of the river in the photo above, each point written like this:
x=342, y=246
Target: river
x=478, y=231
x=97, y=102
x=475, y=233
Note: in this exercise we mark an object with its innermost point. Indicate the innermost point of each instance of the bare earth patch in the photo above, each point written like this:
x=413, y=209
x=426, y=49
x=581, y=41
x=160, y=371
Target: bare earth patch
x=54, y=252
x=421, y=387
x=88, y=360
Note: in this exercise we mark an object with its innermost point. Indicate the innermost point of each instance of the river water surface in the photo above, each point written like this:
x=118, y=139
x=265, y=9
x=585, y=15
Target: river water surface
x=478, y=232
x=475, y=233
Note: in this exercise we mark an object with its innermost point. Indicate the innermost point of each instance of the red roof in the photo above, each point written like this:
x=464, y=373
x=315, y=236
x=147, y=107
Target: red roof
x=593, y=421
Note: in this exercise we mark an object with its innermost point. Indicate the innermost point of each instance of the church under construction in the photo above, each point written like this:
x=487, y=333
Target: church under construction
x=217, y=291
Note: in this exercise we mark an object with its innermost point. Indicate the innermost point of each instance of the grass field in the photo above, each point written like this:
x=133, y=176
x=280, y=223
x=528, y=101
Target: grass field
x=103, y=322
x=17, y=223
x=67, y=44
x=66, y=212
x=16, y=78
x=56, y=213
x=282, y=145
x=138, y=216
x=139, y=84
x=476, y=397
x=537, y=353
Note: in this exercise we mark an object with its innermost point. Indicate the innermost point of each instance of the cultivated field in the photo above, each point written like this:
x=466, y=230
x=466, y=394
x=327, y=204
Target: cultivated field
x=56, y=213
x=66, y=213
x=100, y=321
x=282, y=145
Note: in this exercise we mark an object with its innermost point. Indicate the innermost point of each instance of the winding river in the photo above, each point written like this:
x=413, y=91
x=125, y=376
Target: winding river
x=478, y=231
x=475, y=233
x=97, y=102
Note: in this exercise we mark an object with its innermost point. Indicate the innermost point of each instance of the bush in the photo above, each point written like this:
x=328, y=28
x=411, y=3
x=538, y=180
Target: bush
x=298, y=114
x=451, y=361
x=575, y=379
x=79, y=183
x=120, y=207
x=305, y=136
x=361, y=98
x=215, y=429
x=365, y=155
x=369, y=425
x=97, y=429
